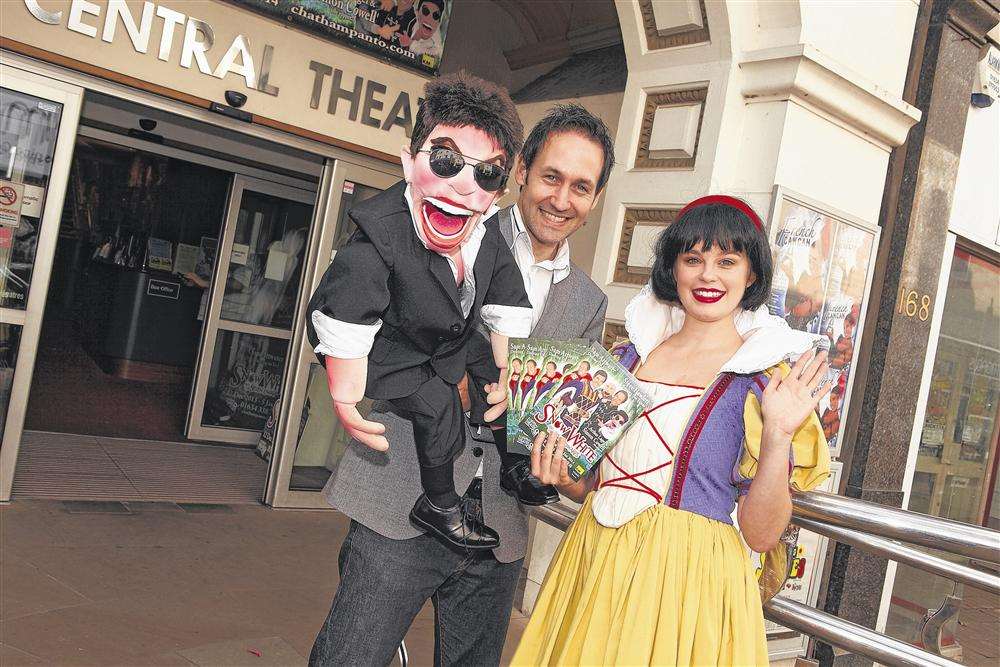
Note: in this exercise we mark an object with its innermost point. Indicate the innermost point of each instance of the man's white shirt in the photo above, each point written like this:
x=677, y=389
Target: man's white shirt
x=539, y=277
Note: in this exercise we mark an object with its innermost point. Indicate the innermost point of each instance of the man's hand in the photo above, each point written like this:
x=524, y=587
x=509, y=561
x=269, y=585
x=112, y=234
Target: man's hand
x=366, y=432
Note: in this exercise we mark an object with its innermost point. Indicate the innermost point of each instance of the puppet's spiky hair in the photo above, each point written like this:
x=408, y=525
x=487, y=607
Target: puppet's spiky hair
x=463, y=100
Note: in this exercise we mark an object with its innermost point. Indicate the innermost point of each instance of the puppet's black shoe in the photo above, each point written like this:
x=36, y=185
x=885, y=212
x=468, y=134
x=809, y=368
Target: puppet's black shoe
x=454, y=525
x=518, y=481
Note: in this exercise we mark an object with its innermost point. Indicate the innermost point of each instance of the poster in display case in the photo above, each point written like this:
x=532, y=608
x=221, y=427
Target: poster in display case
x=803, y=581
x=823, y=265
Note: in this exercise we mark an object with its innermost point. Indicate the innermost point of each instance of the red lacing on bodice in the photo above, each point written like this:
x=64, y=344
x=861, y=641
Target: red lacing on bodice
x=619, y=482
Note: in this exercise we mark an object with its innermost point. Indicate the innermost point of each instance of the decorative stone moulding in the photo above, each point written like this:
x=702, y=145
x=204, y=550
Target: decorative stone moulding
x=613, y=332
x=670, y=129
x=801, y=74
x=672, y=23
x=636, y=244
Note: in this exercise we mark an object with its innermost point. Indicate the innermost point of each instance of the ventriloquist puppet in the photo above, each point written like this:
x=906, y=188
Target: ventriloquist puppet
x=398, y=315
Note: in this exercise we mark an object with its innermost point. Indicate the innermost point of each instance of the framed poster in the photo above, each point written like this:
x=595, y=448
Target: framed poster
x=823, y=265
x=410, y=32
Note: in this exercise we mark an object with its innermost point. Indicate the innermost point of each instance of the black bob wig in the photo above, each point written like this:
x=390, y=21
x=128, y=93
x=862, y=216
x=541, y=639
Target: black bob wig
x=711, y=224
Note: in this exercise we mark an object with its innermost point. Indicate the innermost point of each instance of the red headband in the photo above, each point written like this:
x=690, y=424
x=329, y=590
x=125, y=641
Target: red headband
x=726, y=200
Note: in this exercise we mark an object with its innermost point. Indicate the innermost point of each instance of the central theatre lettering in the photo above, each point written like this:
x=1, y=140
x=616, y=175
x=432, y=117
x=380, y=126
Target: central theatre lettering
x=364, y=99
x=361, y=95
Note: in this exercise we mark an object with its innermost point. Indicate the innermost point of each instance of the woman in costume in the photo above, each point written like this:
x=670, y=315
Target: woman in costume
x=652, y=571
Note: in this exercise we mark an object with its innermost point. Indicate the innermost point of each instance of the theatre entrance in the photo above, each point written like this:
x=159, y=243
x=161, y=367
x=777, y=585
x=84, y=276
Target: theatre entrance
x=173, y=295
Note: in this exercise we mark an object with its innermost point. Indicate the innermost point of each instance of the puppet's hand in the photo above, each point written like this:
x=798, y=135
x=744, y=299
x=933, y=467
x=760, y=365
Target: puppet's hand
x=496, y=395
x=366, y=432
x=346, y=379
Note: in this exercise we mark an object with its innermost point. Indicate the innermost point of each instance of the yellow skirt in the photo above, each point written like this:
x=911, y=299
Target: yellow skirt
x=667, y=588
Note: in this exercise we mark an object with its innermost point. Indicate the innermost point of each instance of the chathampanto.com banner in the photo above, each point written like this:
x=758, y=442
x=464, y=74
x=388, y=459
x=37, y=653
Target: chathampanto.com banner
x=411, y=32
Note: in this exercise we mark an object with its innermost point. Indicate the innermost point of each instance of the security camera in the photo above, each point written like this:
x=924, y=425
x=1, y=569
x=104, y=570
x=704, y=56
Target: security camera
x=147, y=124
x=235, y=98
x=981, y=100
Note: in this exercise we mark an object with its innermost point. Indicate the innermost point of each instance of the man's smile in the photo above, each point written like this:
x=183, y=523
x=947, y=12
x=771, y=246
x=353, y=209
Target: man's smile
x=554, y=218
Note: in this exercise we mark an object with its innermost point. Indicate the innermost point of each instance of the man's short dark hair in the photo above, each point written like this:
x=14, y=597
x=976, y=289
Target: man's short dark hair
x=711, y=224
x=571, y=118
x=462, y=100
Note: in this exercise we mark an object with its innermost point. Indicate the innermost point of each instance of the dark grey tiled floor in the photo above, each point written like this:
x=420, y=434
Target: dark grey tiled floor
x=82, y=467
x=160, y=584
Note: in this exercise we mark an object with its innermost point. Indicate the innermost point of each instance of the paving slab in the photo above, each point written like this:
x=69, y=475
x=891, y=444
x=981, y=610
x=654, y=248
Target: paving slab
x=15, y=657
x=27, y=590
x=159, y=585
x=264, y=651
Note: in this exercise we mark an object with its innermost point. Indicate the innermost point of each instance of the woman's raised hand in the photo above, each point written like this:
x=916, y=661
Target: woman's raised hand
x=547, y=462
x=788, y=400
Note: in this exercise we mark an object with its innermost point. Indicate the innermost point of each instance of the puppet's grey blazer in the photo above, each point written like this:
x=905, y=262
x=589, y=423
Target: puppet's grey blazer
x=378, y=489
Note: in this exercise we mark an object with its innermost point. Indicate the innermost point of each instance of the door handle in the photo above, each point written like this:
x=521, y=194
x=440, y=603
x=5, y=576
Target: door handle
x=10, y=162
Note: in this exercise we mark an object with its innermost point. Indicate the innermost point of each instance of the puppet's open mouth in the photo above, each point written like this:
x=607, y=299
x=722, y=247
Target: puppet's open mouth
x=445, y=220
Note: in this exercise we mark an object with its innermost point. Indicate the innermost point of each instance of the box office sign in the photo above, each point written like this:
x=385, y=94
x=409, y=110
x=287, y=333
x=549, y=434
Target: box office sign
x=283, y=70
x=411, y=32
x=163, y=288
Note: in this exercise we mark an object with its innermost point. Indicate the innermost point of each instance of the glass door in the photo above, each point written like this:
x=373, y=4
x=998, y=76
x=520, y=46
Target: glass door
x=308, y=440
x=957, y=459
x=251, y=311
x=38, y=122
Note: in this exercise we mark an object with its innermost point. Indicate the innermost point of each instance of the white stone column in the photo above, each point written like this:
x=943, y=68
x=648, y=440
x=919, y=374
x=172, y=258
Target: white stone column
x=801, y=94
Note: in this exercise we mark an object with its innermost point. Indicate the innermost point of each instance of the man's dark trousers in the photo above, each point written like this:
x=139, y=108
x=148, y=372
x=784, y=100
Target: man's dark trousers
x=383, y=588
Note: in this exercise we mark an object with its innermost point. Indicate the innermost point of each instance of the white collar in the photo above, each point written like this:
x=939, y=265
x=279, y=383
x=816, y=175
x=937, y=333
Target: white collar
x=767, y=339
x=558, y=265
x=475, y=238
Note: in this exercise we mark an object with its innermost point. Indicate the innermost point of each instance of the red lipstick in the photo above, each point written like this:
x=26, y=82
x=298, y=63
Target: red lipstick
x=707, y=296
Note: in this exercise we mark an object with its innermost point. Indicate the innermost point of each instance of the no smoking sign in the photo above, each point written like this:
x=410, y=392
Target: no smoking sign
x=11, y=196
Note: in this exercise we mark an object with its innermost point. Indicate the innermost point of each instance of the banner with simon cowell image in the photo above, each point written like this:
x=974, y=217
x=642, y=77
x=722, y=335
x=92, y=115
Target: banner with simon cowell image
x=411, y=32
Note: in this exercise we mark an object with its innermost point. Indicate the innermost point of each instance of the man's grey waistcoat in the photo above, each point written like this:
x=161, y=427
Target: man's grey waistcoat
x=378, y=489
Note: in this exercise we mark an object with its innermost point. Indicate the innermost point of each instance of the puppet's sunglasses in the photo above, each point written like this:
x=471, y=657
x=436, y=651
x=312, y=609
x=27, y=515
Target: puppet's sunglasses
x=447, y=163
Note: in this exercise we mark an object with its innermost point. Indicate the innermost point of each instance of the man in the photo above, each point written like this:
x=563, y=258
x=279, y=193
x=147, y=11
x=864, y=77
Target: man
x=388, y=568
x=424, y=35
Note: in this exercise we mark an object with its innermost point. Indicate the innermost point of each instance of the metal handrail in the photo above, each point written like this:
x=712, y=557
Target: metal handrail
x=904, y=554
x=557, y=516
x=873, y=528
x=850, y=636
x=912, y=527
